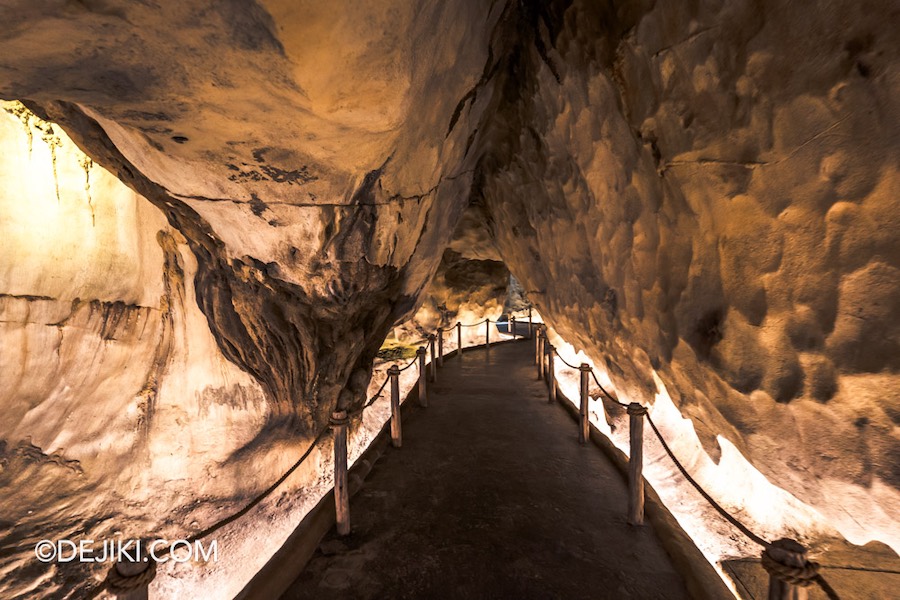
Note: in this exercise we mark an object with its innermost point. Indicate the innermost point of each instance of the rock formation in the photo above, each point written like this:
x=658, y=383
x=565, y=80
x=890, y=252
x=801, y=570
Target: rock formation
x=213, y=213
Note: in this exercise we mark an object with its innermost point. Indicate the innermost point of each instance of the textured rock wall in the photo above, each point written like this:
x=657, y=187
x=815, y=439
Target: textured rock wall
x=470, y=283
x=115, y=395
x=704, y=190
x=710, y=190
x=317, y=199
x=307, y=168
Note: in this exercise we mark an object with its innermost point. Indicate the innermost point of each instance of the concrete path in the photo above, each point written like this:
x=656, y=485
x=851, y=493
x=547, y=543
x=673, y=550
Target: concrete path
x=491, y=496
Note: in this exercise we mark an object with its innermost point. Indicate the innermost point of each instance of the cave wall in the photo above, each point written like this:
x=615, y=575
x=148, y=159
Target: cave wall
x=115, y=394
x=710, y=191
x=707, y=191
x=311, y=157
x=293, y=174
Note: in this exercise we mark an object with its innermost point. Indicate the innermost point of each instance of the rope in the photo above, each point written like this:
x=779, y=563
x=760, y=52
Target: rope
x=605, y=393
x=371, y=400
x=262, y=496
x=825, y=587
x=475, y=324
x=410, y=363
x=122, y=583
x=803, y=576
x=740, y=526
x=565, y=362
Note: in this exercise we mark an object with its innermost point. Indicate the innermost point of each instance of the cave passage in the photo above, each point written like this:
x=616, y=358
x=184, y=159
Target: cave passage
x=491, y=496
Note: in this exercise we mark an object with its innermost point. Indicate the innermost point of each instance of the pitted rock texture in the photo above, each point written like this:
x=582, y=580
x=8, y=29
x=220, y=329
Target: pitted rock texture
x=317, y=200
x=711, y=191
x=707, y=190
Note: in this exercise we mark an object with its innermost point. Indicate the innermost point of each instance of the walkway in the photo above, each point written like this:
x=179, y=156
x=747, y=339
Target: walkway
x=491, y=496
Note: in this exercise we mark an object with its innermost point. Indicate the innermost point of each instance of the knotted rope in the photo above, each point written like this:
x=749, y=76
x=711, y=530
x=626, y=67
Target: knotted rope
x=803, y=576
x=116, y=582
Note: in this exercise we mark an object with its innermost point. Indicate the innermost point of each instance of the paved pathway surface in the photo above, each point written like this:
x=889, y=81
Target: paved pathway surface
x=491, y=496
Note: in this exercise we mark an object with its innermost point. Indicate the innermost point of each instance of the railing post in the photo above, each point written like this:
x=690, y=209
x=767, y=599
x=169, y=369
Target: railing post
x=423, y=377
x=789, y=553
x=130, y=579
x=530, y=324
x=433, y=368
x=542, y=342
x=584, y=429
x=551, y=379
x=459, y=338
x=339, y=422
x=512, y=326
x=636, y=414
x=396, y=430
x=487, y=333
x=537, y=346
x=440, y=341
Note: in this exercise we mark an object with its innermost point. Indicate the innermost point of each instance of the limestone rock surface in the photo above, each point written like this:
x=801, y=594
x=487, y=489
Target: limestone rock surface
x=213, y=213
x=709, y=192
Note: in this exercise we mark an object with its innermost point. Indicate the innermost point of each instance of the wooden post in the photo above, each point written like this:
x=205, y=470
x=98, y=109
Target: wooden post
x=512, y=326
x=542, y=341
x=636, y=414
x=440, y=340
x=530, y=324
x=423, y=377
x=433, y=369
x=551, y=378
x=787, y=552
x=396, y=430
x=130, y=579
x=459, y=338
x=536, y=344
x=339, y=422
x=584, y=430
x=487, y=333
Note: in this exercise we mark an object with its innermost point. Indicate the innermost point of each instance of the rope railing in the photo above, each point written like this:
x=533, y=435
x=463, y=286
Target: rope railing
x=408, y=365
x=119, y=581
x=564, y=361
x=784, y=560
x=474, y=324
x=605, y=393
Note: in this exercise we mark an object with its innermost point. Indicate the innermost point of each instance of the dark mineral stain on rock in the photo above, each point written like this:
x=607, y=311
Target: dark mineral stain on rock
x=257, y=206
